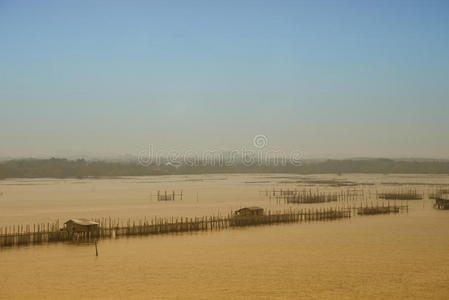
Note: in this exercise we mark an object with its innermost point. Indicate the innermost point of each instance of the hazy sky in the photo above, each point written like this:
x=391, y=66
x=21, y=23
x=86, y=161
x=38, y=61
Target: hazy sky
x=331, y=78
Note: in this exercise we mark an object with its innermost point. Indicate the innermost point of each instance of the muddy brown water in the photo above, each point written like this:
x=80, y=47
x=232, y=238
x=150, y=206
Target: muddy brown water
x=401, y=256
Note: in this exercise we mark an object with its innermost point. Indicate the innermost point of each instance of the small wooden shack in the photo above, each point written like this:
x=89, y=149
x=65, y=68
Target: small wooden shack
x=80, y=225
x=249, y=211
x=441, y=203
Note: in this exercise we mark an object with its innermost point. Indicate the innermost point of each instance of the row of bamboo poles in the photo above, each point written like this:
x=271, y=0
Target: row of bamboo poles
x=441, y=198
x=167, y=196
x=309, y=197
x=289, y=216
x=111, y=228
x=381, y=209
x=306, y=196
x=408, y=194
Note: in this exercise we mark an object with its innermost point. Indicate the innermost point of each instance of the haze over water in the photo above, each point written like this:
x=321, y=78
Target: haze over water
x=366, y=257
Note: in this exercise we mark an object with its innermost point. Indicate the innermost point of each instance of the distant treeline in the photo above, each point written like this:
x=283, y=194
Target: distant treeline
x=63, y=168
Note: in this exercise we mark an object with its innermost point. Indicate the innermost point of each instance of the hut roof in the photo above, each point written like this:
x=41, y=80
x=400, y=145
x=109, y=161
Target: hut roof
x=251, y=208
x=84, y=222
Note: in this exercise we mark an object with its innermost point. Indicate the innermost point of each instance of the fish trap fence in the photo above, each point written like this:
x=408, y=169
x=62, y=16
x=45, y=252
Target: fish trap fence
x=110, y=228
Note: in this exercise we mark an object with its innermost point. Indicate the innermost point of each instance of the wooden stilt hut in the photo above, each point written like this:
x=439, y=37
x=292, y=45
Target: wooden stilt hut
x=83, y=227
x=249, y=211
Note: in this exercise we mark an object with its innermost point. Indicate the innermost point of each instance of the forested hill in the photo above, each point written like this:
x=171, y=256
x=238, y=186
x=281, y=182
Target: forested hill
x=63, y=168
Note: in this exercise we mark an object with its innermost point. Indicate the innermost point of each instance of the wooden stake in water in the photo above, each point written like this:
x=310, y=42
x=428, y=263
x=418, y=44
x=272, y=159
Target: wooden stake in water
x=96, y=248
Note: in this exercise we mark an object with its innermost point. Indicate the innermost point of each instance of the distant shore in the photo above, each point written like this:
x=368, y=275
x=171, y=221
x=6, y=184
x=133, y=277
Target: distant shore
x=64, y=168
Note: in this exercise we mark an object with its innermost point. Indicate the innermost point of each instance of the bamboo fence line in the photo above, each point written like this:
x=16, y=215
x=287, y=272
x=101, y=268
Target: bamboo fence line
x=308, y=196
x=110, y=228
x=167, y=196
x=289, y=216
x=381, y=209
x=23, y=235
x=407, y=194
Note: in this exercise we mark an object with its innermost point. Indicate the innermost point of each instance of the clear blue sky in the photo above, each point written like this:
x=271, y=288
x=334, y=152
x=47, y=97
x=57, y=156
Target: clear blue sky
x=331, y=78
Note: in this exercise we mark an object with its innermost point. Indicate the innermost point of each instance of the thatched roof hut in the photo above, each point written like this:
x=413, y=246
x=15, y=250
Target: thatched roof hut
x=81, y=225
x=249, y=211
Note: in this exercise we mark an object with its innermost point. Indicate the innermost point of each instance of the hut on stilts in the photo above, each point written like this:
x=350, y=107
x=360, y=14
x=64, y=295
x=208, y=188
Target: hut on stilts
x=81, y=228
x=441, y=203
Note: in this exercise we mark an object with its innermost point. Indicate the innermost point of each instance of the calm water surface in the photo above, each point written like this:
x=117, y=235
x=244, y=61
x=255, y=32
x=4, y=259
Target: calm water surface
x=379, y=257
